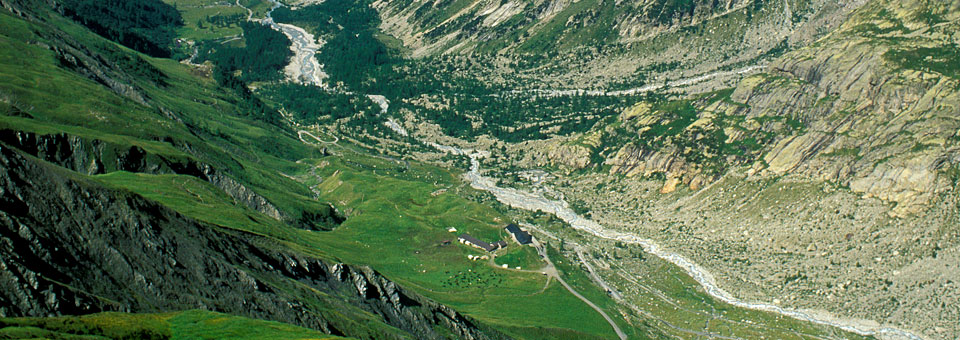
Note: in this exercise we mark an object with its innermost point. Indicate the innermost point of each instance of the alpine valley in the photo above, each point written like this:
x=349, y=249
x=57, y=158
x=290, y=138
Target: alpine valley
x=480, y=169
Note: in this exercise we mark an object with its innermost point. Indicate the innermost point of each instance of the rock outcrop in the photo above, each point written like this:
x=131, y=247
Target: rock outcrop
x=632, y=160
x=885, y=127
x=93, y=157
x=558, y=152
x=607, y=42
x=71, y=246
x=871, y=107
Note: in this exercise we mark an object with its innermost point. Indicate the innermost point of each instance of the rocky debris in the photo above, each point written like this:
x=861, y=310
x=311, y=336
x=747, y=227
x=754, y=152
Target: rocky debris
x=116, y=251
x=797, y=241
x=852, y=199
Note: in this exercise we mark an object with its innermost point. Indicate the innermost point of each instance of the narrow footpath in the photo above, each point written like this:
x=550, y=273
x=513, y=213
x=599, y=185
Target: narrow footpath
x=551, y=271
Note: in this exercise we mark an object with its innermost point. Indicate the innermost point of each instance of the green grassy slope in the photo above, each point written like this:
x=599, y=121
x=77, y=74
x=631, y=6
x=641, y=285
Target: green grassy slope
x=394, y=223
x=193, y=324
x=397, y=212
x=213, y=129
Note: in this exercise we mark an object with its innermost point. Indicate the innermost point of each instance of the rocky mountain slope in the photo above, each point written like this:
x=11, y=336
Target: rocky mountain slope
x=872, y=107
x=71, y=246
x=597, y=43
x=825, y=180
x=828, y=181
x=78, y=112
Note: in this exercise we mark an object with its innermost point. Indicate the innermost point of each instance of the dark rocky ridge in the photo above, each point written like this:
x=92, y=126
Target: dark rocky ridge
x=94, y=157
x=71, y=246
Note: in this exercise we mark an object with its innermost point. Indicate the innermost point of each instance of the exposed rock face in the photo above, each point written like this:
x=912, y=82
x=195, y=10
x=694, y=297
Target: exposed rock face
x=93, y=157
x=632, y=161
x=486, y=20
x=913, y=182
x=70, y=246
x=73, y=55
x=606, y=41
x=848, y=110
x=241, y=193
x=555, y=152
x=882, y=128
x=573, y=156
x=423, y=26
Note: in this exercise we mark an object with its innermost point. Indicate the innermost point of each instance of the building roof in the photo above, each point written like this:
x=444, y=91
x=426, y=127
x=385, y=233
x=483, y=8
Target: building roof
x=474, y=241
x=521, y=236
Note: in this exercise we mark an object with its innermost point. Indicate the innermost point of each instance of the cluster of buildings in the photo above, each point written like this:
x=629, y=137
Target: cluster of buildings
x=519, y=235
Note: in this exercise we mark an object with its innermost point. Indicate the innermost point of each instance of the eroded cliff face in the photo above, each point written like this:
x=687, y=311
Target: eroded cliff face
x=71, y=246
x=434, y=25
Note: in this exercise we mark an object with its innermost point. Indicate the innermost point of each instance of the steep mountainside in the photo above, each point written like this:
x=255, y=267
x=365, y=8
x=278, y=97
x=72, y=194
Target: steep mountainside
x=599, y=43
x=72, y=246
x=715, y=168
x=829, y=181
x=148, y=185
x=881, y=97
x=89, y=128
x=155, y=326
x=872, y=107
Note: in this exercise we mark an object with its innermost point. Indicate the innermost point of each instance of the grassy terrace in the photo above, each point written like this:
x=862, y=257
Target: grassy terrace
x=398, y=224
x=399, y=227
x=524, y=257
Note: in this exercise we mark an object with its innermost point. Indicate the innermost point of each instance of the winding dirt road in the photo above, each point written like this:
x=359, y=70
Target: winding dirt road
x=551, y=271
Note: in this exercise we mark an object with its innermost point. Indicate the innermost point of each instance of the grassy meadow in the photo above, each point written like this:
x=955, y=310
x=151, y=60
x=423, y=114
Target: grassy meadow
x=191, y=324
